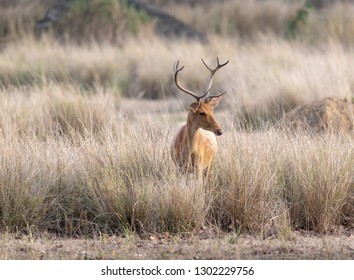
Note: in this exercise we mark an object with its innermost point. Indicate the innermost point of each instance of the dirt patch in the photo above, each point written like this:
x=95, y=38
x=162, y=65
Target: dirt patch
x=219, y=247
x=329, y=114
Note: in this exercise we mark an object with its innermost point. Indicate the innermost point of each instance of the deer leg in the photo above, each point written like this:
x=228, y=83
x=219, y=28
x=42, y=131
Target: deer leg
x=207, y=177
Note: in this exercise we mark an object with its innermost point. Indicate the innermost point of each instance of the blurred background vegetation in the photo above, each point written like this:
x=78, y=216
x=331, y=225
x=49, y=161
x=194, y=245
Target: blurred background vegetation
x=129, y=46
x=81, y=20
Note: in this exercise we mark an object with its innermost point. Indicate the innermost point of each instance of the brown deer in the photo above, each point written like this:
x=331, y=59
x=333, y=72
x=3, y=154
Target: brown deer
x=195, y=145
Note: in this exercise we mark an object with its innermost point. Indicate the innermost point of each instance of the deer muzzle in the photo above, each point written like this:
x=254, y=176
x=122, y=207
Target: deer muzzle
x=219, y=132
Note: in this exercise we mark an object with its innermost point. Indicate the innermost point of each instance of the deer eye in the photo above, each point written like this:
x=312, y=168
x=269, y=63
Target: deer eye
x=202, y=113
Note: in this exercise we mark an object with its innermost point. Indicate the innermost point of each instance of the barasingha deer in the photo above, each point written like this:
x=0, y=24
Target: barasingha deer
x=194, y=147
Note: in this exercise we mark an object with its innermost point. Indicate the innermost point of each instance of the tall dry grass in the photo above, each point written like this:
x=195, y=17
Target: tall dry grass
x=74, y=160
x=277, y=181
x=96, y=170
x=264, y=79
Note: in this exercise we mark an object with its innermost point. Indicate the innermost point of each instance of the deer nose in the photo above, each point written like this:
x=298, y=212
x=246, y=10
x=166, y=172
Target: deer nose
x=219, y=132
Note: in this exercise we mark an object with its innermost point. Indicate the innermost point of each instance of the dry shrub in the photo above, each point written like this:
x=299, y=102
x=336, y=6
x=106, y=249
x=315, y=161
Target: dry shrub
x=329, y=114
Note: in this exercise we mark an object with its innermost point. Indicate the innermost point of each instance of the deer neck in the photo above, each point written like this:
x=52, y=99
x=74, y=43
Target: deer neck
x=192, y=131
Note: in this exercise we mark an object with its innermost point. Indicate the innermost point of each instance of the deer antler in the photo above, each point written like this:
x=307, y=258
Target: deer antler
x=177, y=70
x=213, y=71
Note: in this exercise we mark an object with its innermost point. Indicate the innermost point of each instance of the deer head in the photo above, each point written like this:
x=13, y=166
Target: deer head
x=201, y=113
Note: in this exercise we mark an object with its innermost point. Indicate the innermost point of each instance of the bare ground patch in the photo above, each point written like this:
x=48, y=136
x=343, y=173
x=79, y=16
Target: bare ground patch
x=229, y=246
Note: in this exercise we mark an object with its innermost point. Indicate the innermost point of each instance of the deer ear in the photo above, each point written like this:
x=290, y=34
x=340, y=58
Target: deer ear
x=194, y=107
x=213, y=102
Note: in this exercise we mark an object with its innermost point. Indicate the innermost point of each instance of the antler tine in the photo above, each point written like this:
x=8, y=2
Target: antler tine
x=177, y=70
x=213, y=71
x=215, y=96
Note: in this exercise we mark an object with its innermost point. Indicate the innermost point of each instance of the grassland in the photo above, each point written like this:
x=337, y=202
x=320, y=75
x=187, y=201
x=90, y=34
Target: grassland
x=85, y=131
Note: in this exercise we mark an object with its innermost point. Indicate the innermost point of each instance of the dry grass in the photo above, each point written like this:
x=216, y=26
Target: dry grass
x=79, y=159
x=265, y=79
x=76, y=166
x=290, y=177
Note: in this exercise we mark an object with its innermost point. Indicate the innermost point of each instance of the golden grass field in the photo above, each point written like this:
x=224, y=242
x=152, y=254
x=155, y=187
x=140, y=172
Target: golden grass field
x=85, y=133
